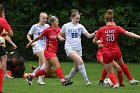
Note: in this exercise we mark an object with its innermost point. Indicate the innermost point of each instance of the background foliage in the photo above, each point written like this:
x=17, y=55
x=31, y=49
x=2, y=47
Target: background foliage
x=22, y=14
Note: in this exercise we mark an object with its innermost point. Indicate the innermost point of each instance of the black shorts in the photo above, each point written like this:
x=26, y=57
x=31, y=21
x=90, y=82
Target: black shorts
x=2, y=51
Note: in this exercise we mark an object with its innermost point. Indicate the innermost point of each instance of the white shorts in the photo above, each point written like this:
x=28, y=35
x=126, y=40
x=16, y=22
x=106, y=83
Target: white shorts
x=38, y=48
x=68, y=51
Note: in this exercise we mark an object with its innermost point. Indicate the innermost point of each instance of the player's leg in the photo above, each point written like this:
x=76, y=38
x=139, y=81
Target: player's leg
x=73, y=72
x=78, y=59
x=119, y=73
x=42, y=60
x=54, y=61
x=1, y=76
x=127, y=72
x=108, y=63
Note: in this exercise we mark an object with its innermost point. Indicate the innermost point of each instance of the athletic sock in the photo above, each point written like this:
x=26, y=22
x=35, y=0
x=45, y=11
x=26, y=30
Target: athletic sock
x=126, y=71
x=39, y=73
x=83, y=71
x=72, y=73
x=37, y=69
x=104, y=73
x=112, y=77
x=120, y=77
x=59, y=73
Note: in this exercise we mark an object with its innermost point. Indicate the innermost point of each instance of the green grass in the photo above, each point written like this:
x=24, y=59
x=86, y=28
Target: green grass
x=19, y=85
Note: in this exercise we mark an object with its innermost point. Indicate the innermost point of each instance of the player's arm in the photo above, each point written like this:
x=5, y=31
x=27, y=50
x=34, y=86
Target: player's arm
x=60, y=36
x=88, y=35
x=37, y=38
x=131, y=34
x=29, y=37
x=8, y=39
x=8, y=29
x=96, y=40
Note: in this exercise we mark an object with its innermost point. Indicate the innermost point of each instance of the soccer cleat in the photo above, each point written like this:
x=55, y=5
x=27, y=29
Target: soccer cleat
x=8, y=77
x=134, y=82
x=65, y=83
x=40, y=83
x=115, y=86
x=122, y=85
x=88, y=83
x=29, y=80
x=101, y=83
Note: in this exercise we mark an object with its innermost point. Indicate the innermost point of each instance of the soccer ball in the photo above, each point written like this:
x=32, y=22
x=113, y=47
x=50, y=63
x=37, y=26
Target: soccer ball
x=107, y=82
x=2, y=40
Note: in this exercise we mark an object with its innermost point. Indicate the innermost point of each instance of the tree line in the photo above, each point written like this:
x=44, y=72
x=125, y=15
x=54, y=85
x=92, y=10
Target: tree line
x=22, y=14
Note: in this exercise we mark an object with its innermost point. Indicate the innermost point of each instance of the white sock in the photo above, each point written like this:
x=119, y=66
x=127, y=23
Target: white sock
x=37, y=69
x=43, y=66
x=83, y=71
x=40, y=78
x=72, y=73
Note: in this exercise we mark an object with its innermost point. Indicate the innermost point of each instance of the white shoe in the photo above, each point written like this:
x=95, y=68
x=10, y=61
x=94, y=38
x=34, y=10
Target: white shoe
x=88, y=83
x=8, y=77
x=40, y=83
x=134, y=82
x=115, y=86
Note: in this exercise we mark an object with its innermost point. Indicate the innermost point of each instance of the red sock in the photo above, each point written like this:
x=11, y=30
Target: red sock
x=40, y=73
x=112, y=77
x=126, y=71
x=1, y=79
x=59, y=72
x=104, y=73
x=120, y=77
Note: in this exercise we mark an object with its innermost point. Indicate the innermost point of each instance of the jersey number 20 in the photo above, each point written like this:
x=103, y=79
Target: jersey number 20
x=110, y=37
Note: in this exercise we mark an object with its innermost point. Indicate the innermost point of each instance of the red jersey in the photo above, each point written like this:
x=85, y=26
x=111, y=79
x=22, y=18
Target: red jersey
x=51, y=39
x=4, y=25
x=110, y=35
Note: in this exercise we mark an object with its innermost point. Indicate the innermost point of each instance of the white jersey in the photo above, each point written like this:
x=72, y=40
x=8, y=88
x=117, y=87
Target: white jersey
x=36, y=30
x=73, y=35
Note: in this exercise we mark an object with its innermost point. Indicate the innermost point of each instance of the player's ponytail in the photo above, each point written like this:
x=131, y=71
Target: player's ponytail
x=52, y=19
x=109, y=15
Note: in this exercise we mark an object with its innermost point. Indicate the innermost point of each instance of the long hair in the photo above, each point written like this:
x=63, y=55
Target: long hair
x=109, y=15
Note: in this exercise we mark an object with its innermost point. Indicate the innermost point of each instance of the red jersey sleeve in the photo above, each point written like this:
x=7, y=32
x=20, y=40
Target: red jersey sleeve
x=5, y=24
x=98, y=33
x=121, y=30
x=44, y=32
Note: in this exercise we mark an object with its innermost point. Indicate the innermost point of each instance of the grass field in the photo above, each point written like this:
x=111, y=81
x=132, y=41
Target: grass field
x=19, y=85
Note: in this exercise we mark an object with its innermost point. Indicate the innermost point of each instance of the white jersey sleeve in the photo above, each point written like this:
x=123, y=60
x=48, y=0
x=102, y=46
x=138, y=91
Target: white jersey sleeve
x=83, y=29
x=32, y=30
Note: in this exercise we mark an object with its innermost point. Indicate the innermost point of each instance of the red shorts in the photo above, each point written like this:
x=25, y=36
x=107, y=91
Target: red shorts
x=49, y=54
x=99, y=55
x=110, y=55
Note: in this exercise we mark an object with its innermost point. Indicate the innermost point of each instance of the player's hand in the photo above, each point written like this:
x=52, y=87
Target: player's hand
x=14, y=46
x=99, y=42
x=4, y=33
x=33, y=44
x=62, y=39
x=28, y=45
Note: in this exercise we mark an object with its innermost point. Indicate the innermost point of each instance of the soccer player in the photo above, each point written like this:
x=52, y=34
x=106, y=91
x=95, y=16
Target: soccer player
x=111, y=50
x=3, y=57
x=73, y=48
x=50, y=51
x=99, y=57
x=7, y=38
x=39, y=46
